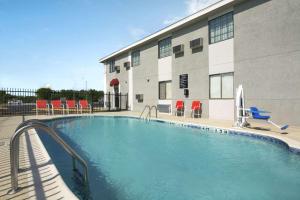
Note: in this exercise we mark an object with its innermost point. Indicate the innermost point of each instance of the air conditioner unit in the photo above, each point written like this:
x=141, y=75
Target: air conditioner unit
x=197, y=43
x=178, y=49
x=117, y=68
x=127, y=64
x=139, y=98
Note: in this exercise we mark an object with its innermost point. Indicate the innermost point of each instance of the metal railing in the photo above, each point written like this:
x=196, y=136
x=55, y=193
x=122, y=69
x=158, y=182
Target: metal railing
x=115, y=101
x=150, y=112
x=14, y=150
x=146, y=106
x=148, y=116
x=17, y=102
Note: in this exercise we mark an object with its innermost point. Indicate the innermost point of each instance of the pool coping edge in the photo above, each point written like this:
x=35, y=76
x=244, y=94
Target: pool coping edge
x=290, y=143
x=70, y=194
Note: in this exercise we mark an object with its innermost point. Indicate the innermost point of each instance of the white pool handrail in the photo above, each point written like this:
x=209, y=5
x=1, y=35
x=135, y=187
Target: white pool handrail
x=150, y=112
x=146, y=106
x=14, y=150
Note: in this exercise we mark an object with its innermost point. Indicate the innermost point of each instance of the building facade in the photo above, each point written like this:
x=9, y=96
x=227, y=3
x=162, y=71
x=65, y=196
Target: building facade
x=205, y=57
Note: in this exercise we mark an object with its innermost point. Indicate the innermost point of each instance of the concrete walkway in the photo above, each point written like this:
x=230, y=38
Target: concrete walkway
x=39, y=178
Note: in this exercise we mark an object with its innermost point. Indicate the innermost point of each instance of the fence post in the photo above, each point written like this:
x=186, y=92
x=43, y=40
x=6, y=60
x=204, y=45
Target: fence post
x=92, y=104
x=127, y=101
x=109, y=101
x=120, y=100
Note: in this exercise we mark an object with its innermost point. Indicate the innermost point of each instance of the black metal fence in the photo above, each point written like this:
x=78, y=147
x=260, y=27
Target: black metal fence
x=115, y=102
x=15, y=102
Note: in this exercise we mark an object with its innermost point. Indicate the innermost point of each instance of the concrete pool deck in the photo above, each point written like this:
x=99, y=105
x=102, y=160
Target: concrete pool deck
x=39, y=178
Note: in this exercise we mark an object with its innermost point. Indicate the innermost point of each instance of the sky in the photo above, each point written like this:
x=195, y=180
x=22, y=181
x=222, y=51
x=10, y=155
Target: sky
x=57, y=43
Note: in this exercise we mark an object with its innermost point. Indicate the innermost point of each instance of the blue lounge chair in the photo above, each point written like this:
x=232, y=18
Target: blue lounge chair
x=256, y=114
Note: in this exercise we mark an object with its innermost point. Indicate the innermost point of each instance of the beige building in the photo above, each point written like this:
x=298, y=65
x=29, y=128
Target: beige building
x=205, y=56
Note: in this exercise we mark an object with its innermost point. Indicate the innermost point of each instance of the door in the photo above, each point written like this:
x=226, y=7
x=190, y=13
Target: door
x=117, y=96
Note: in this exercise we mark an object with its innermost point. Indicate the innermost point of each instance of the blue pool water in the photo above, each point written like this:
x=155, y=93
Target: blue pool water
x=138, y=160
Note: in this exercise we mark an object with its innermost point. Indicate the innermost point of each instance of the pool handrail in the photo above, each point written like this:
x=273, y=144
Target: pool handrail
x=14, y=150
x=146, y=106
x=150, y=111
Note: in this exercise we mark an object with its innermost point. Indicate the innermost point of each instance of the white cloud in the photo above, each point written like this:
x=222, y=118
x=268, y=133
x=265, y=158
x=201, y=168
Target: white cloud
x=48, y=85
x=137, y=33
x=192, y=6
x=196, y=5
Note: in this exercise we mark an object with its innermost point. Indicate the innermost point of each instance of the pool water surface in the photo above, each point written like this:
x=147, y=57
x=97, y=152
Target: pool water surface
x=138, y=160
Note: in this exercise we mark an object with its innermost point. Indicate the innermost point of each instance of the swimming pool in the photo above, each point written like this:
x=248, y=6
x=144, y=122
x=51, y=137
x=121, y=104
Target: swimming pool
x=134, y=159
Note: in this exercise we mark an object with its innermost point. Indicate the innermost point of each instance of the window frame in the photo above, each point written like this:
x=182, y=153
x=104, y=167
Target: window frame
x=221, y=89
x=111, y=66
x=138, y=54
x=163, y=41
x=169, y=81
x=220, y=35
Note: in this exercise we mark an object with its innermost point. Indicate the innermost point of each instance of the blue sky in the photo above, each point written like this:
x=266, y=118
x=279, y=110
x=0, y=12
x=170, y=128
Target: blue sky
x=59, y=42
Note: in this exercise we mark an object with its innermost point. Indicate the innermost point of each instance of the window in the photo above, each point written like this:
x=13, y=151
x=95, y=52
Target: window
x=165, y=90
x=135, y=58
x=215, y=87
x=164, y=48
x=183, y=81
x=221, y=86
x=227, y=86
x=111, y=66
x=221, y=28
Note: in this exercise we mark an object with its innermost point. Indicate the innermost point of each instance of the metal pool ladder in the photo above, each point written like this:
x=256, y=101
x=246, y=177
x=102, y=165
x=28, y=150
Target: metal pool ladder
x=148, y=116
x=14, y=151
x=146, y=106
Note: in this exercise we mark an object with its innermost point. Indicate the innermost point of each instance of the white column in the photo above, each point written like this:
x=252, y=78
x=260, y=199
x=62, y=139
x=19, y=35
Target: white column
x=104, y=84
x=130, y=84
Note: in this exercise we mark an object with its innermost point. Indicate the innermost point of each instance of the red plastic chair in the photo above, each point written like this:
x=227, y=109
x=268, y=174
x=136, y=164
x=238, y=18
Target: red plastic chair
x=71, y=105
x=84, y=105
x=179, y=107
x=57, y=105
x=196, y=106
x=41, y=104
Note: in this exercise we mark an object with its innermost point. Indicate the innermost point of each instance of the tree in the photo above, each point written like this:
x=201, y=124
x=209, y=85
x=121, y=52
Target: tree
x=68, y=94
x=95, y=95
x=44, y=93
x=5, y=97
x=2, y=96
x=91, y=95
